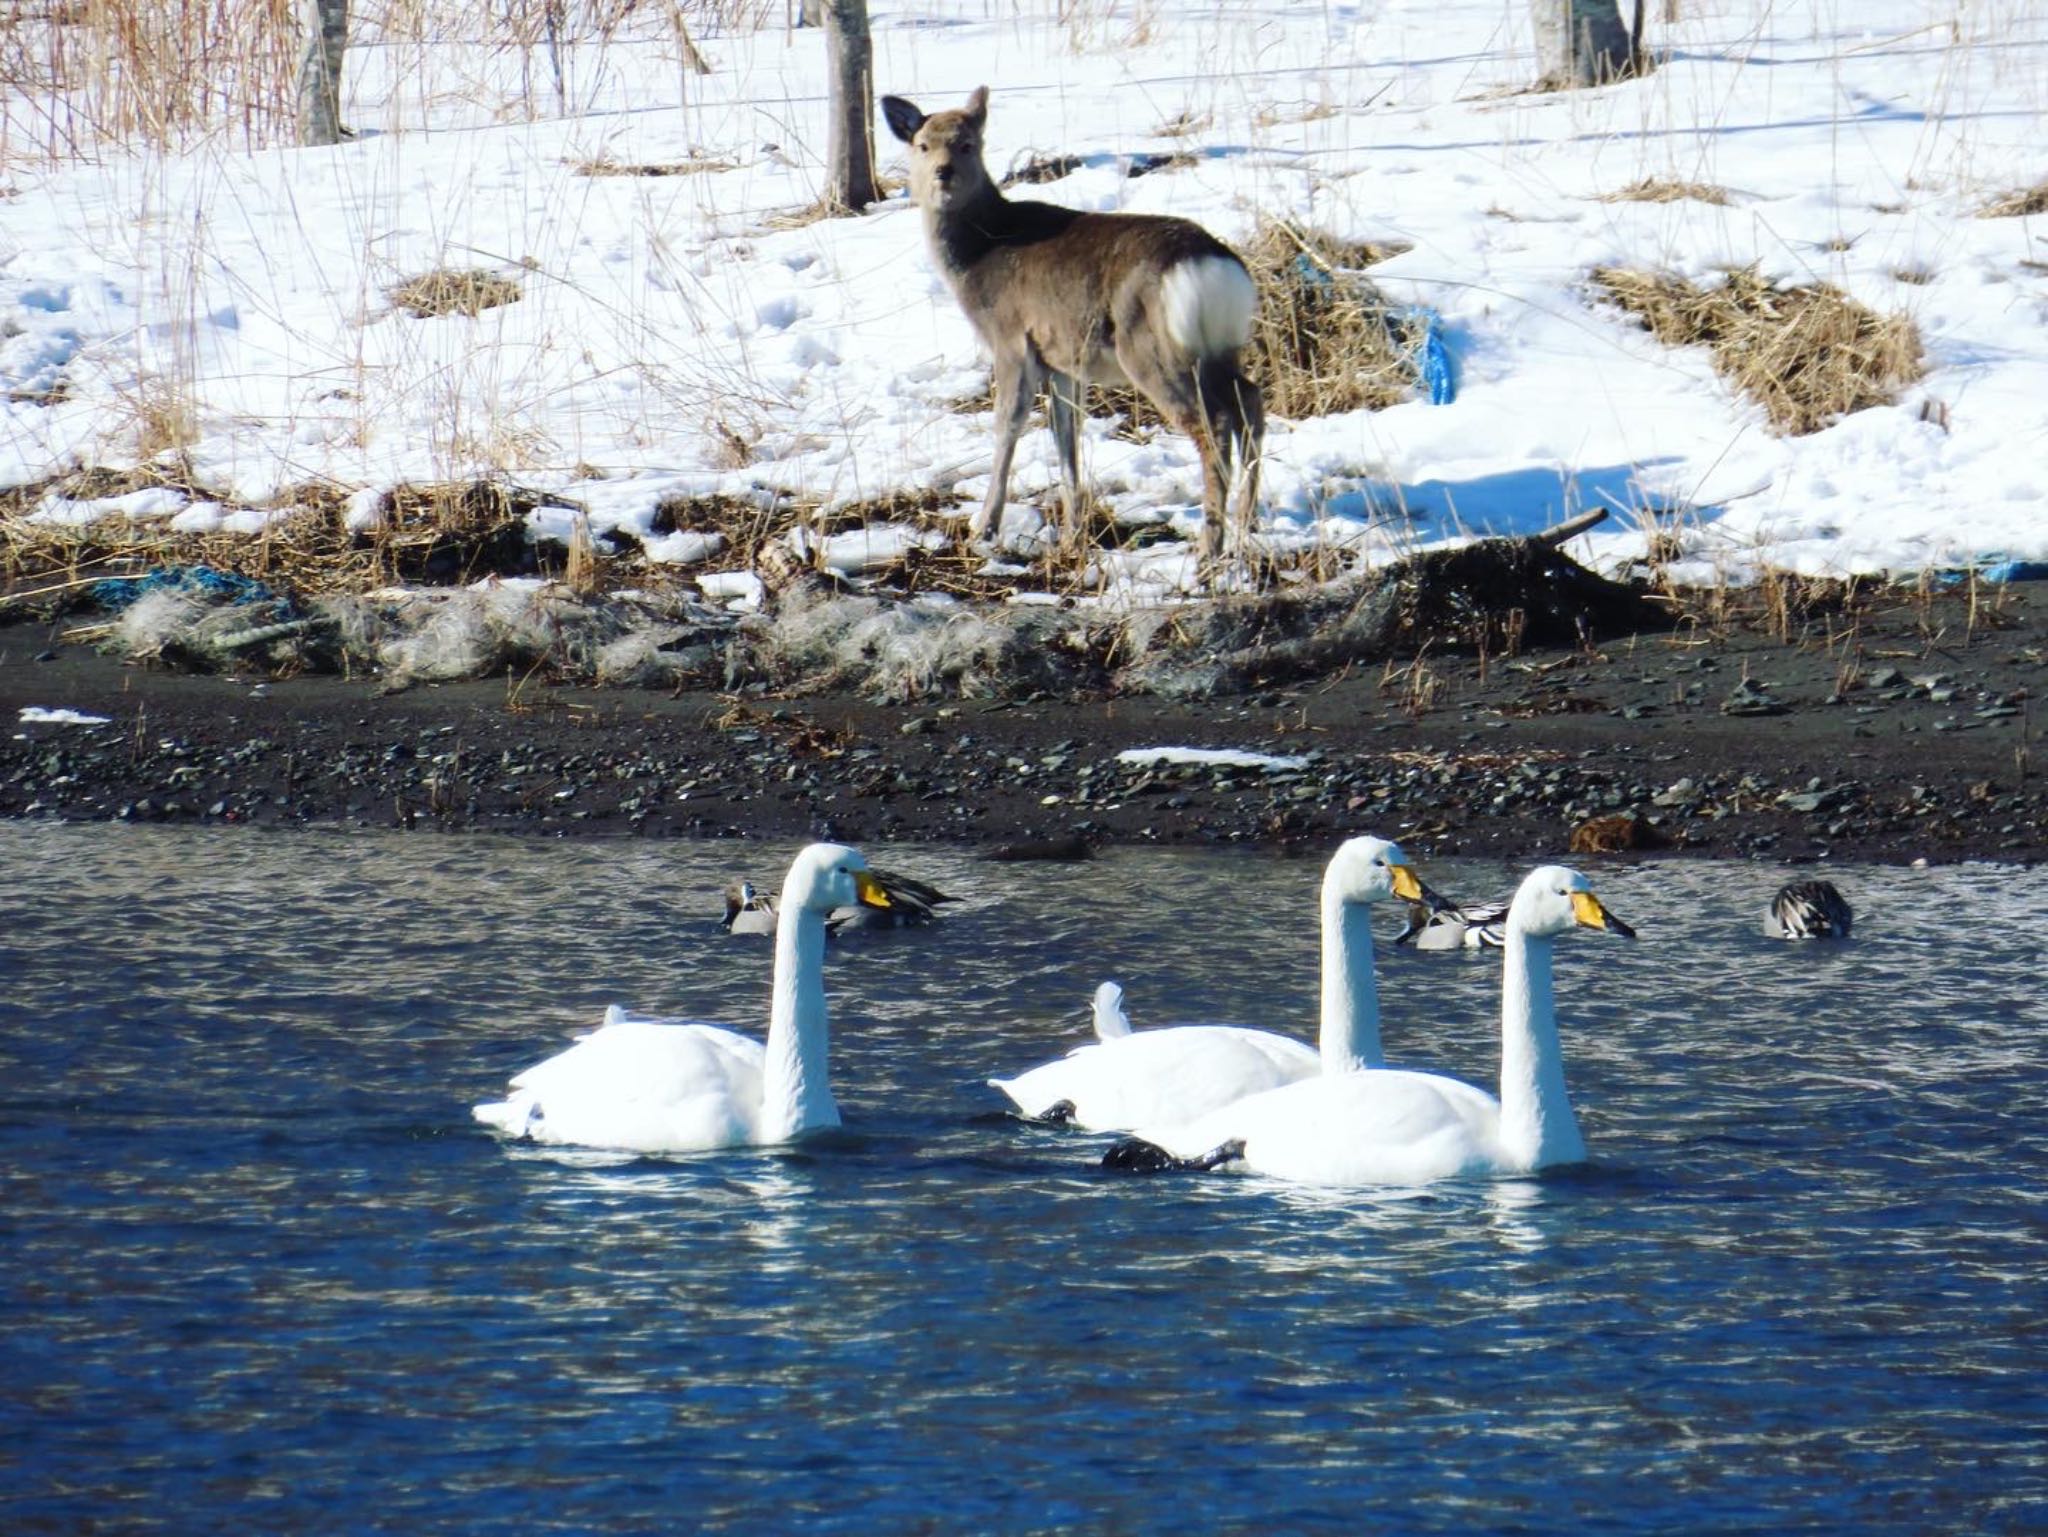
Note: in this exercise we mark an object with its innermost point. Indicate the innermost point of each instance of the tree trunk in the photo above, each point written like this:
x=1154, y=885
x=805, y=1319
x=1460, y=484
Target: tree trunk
x=323, y=34
x=1583, y=42
x=850, y=144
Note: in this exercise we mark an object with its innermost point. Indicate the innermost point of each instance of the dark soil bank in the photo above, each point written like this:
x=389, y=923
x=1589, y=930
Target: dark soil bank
x=1899, y=733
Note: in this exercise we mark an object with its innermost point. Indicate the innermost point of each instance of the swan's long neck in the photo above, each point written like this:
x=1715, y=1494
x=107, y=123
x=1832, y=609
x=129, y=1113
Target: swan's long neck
x=1537, y=1127
x=796, y=1095
x=1350, y=1036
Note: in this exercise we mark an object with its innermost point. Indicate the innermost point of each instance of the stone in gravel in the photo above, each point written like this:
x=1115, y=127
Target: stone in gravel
x=1681, y=792
x=1751, y=698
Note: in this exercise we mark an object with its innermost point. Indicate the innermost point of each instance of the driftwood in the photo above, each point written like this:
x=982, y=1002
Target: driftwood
x=1494, y=596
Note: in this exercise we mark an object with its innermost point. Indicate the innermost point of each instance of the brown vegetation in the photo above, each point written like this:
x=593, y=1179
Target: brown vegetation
x=1807, y=355
x=2027, y=203
x=1661, y=189
x=1323, y=343
x=454, y=291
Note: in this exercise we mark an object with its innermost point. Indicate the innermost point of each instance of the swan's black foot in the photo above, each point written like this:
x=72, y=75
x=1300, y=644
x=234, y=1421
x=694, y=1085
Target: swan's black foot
x=1134, y=1155
x=1059, y=1113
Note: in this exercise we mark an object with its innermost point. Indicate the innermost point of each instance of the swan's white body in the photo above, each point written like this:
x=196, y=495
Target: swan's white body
x=668, y=1086
x=1407, y=1128
x=1133, y=1078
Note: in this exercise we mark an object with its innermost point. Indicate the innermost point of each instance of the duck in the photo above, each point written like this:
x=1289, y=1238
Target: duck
x=641, y=1084
x=1455, y=926
x=1398, y=1127
x=1127, y=1077
x=749, y=910
x=1808, y=910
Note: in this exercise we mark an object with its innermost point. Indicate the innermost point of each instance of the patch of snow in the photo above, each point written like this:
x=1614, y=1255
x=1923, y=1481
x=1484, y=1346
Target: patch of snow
x=1210, y=757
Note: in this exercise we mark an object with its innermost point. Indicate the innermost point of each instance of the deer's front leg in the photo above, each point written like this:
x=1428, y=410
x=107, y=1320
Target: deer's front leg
x=1016, y=385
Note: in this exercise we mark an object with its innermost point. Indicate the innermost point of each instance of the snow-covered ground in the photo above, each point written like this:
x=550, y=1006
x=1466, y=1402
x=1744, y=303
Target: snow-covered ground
x=677, y=337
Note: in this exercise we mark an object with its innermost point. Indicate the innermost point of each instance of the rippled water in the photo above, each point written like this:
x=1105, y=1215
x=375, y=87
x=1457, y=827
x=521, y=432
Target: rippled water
x=263, y=1274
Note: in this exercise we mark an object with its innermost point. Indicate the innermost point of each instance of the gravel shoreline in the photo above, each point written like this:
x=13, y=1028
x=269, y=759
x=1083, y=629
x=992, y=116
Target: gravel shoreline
x=1904, y=737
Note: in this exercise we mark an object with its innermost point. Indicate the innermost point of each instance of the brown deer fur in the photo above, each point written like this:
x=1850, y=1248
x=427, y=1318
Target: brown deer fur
x=1064, y=299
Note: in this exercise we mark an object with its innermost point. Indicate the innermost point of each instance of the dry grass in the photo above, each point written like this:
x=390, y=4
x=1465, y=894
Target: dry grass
x=431, y=534
x=87, y=73
x=1184, y=125
x=1661, y=189
x=2027, y=203
x=307, y=549
x=1322, y=344
x=606, y=166
x=1807, y=355
x=455, y=291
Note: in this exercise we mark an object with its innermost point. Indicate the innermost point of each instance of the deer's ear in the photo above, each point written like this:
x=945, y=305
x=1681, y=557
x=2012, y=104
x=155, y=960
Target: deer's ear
x=904, y=119
x=977, y=105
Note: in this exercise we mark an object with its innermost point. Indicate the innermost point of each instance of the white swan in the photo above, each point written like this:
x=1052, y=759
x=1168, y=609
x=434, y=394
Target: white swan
x=667, y=1086
x=1134, y=1078
x=1405, y=1128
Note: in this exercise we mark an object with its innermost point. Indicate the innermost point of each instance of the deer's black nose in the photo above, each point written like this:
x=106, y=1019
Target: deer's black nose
x=943, y=174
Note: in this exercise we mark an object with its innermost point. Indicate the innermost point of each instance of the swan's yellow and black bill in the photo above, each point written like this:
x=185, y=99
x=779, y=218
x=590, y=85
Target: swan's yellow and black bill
x=871, y=891
x=1591, y=915
x=1409, y=888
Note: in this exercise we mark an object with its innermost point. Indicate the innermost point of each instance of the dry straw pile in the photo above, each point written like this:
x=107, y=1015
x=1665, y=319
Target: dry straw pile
x=2027, y=203
x=454, y=291
x=1323, y=343
x=1807, y=355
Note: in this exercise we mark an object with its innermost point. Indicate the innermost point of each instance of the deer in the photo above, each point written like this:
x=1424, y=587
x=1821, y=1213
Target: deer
x=1063, y=298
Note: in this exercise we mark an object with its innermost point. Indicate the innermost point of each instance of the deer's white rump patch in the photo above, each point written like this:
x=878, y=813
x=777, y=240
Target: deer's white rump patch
x=1210, y=303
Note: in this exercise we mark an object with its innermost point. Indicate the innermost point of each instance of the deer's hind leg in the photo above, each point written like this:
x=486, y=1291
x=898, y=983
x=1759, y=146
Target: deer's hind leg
x=1064, y=394
x=1236, y=412
x=1205, y=398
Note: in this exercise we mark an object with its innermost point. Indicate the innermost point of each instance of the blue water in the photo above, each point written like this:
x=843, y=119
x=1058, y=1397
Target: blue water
x=263, y=1274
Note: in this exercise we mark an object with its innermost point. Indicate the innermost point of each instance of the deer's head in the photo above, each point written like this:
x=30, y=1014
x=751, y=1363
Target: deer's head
x=945, y=150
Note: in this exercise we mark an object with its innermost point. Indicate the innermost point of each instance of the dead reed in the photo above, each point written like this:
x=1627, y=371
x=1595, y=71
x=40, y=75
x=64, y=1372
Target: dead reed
x=454, y=291
x=2027, y=203
x=1808, y=355
x=1664, y=189
x=1323, y=342
x=606, y=166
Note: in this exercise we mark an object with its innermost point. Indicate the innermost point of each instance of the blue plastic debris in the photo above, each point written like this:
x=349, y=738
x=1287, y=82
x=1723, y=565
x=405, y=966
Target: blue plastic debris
x=119, y=592
x=1432, y=355
x=1997, y=569
x=1418, y=328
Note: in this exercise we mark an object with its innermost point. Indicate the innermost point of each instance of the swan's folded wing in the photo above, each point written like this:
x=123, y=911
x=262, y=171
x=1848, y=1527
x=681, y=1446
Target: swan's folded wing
x=1173, y=1074
x=639, y=1083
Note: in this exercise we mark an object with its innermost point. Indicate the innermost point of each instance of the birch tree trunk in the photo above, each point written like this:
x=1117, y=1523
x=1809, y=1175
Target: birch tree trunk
x=1583, y=42
x=323, y=34
x=850, y=143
